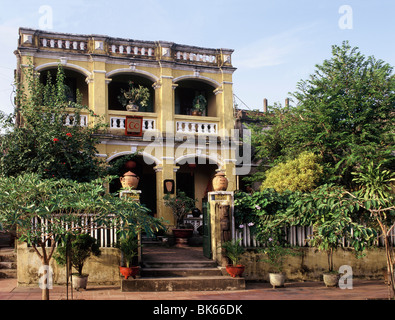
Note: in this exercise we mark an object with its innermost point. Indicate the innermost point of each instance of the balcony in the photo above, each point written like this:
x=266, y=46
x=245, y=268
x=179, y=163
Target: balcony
x=196, y=125
x=117, y=121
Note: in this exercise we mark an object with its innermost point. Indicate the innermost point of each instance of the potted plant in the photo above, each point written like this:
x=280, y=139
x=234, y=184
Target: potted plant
x=234, y=251
x=199, y=105
x=134, y=97
x=275, y=255
x=129, y=249
x=181, y=205
x=80, y=247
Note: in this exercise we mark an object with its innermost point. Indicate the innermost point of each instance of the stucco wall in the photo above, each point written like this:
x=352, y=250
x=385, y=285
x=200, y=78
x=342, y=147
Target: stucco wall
x=312, y=263
x=102, y=270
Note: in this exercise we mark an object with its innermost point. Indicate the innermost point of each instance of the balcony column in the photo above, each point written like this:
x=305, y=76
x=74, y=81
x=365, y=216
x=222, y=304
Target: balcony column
x=98, y=90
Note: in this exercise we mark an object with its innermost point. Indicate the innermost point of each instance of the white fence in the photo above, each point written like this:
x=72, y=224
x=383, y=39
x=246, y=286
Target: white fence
x=295, y=237
x=106, y=237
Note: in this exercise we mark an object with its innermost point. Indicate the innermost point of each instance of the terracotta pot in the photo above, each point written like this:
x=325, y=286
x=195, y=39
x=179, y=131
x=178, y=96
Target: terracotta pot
x=331, y=279
x=130, y=180
x=182, y=236
x=220, y=182
x=80, y=282
x=129, y=165
x=196, y=113
x=129, y=272
x=235, y=271
x=277, y=280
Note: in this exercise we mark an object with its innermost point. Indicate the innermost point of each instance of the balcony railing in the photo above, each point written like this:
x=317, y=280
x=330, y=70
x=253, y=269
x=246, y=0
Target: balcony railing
x=197, y=127
x=119, y=123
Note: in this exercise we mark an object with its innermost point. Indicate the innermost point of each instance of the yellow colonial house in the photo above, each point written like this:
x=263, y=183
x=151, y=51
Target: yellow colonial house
x=172, y=143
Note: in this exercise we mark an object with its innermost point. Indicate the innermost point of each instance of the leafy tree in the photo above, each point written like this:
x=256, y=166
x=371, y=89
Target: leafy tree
x=376, y=195
x=300, y=174
x=28, y=203
x=48, y=137
x=344, y=113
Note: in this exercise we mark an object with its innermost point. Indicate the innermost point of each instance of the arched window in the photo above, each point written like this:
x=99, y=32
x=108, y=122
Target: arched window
x=122, y=82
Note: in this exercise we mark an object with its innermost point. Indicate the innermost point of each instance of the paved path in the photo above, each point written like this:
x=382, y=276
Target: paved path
x=362, y=290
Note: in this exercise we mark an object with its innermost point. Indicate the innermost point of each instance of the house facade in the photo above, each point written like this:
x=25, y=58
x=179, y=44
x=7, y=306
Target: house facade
x=170, y=143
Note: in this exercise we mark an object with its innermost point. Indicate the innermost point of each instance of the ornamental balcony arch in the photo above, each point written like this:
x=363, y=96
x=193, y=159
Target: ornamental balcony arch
x=119, y=79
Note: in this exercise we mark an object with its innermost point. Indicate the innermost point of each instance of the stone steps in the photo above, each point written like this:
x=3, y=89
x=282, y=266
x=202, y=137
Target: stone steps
x=179, y=272
x=175, y=269
x=213, y=283
x=8, y=267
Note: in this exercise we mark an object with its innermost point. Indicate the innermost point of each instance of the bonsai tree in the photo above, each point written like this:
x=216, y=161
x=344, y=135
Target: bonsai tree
x=134, y=96
x=199, y=104
x=233, y=250
x=181, y=205
x=82, y=246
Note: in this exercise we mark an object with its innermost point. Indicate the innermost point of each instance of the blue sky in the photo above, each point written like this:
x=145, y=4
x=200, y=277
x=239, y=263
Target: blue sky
x=276, y=43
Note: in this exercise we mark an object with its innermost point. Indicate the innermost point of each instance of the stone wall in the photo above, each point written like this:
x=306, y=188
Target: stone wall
x=102, y=270
x=311, y=264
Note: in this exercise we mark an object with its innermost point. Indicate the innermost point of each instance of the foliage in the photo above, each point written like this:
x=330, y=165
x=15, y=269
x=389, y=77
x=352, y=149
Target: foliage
x=300, y=174
x=28, y=198
x=335, y=217
x=129, y=247
x=233, y=250
x=275, y=253
x=135, y=95
x=199, y=103
x=41, y=142
x=117, y=167
x=82, y=246
x=256, y=208
x=344, y=113
x=377, y=197
x=181, y=205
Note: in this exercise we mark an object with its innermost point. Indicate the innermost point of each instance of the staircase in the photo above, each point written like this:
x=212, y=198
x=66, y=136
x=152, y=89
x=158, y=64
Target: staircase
x=7, y=263
x=179, y=269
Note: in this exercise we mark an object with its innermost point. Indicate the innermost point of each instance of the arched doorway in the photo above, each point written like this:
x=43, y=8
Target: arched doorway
x=146, y=173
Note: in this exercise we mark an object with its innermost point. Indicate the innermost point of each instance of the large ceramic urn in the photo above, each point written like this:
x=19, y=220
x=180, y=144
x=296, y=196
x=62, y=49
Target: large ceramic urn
x=220, y=182
x=130, y=180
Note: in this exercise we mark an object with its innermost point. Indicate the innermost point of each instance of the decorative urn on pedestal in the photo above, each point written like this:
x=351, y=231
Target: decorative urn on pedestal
x=220, y=182
x=130, y=180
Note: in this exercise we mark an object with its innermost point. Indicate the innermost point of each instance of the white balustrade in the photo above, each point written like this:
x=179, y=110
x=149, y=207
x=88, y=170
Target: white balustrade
x=196, y=127
x=70, y=120
x=197, y=57
x=63, y=44
x=119, y=123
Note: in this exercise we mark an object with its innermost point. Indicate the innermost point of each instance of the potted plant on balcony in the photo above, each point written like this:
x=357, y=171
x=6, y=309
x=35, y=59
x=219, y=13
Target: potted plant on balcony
x=181, y=205
x=81, y=247
x=129, y=249
x=234, y=251
x=135, y=97
x=199, y=105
